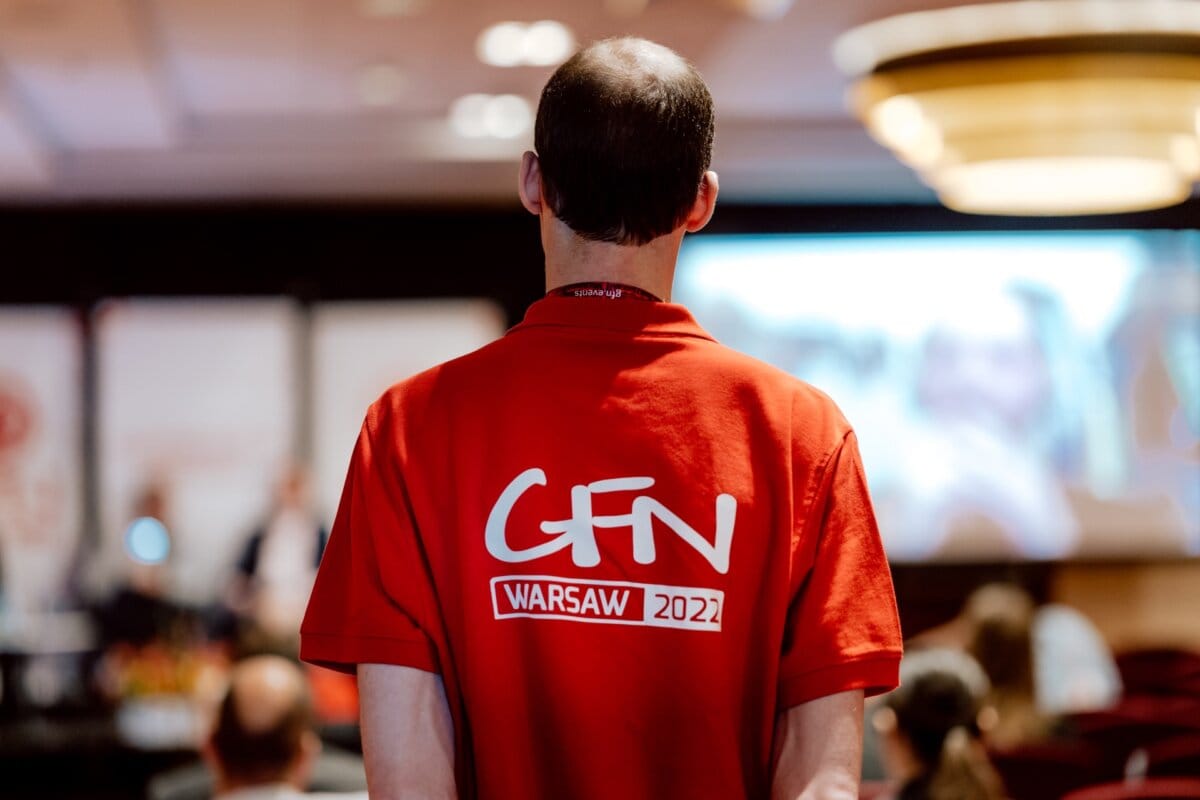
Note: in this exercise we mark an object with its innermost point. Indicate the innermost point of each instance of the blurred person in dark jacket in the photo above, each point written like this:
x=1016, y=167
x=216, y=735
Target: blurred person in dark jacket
x=140, y=608
x=277, y=567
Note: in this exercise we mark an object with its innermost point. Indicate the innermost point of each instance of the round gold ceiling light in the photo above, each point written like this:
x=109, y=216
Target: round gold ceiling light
x=1038, y=107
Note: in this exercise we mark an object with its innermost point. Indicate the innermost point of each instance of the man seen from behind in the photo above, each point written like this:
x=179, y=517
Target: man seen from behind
x=604, y=556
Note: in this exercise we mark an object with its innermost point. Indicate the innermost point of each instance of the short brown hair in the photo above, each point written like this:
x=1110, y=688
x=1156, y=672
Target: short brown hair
x=624, y=134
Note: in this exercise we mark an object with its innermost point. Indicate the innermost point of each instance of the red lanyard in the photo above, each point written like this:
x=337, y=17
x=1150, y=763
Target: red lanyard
x=612, y=291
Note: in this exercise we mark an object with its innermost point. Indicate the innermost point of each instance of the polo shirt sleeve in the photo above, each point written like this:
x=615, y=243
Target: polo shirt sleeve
x=843, y=630
x=371, y=602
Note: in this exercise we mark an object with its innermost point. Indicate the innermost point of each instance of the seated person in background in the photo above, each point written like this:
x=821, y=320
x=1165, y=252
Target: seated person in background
x=929, y=730
x=140, y=609
x=263, y=744
x=1051, y=653
x=1073, y=667
x=1000, y=637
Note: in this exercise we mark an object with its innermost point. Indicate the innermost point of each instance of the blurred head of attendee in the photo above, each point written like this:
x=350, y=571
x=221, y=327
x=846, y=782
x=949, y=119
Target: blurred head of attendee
x=275, y=571
x=263, y=734
x=930, y=729
x=999, y=619
x=148, y=545
x=294, y=488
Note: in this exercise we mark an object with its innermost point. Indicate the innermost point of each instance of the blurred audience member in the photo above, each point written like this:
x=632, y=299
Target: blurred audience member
x=929, y=730
x=1000, y=637
x=1074, y=668
x=277, y=567
x=263, y=744
x=1043, y=661
x=140, y=609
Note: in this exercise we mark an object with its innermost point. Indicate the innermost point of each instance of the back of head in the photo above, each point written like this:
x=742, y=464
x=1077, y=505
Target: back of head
x=1000, y=620
x=624, y=135
x=263, y=724
x=936, y=710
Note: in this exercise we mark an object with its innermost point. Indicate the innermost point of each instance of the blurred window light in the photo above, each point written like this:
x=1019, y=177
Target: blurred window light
x=147, y=541
x=512, y=44
x=505, y=116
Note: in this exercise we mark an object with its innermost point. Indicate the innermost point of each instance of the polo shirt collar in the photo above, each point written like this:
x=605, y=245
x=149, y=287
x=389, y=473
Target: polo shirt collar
x=629, y=316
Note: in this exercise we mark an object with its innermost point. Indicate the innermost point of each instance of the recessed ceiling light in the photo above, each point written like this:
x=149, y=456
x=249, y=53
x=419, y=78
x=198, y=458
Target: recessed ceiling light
x=466, y=115
x=512, y=44
x=507, y=116
x=547, y=42
x=380, y=85
x=502, y=45
x=477, y=116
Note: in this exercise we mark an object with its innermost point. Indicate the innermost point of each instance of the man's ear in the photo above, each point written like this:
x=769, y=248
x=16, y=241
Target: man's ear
x=529, y=184
x=705, y=204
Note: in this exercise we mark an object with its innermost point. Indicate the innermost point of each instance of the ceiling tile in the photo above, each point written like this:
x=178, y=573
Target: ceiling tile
x=85, y=73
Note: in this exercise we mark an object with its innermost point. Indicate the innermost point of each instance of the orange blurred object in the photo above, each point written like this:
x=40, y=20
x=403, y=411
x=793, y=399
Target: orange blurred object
x=335, y=695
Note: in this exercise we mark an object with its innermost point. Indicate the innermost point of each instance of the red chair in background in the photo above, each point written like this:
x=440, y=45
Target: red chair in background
x=1160, y=672
x=1137, y=722
x=1177, y=757
x=1048, y=770
x=1179, y=710
x=1151, y=789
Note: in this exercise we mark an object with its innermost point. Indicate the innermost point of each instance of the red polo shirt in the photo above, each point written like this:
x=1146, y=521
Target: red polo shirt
x=624, y=547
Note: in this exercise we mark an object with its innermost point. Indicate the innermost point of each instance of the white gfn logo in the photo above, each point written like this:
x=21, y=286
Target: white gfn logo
x=579, y=532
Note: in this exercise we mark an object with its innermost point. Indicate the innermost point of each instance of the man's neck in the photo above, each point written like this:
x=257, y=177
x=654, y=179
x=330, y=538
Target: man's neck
x=572, y=259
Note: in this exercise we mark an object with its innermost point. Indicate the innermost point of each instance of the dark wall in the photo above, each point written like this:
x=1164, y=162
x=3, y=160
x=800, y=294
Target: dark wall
x=79, y=255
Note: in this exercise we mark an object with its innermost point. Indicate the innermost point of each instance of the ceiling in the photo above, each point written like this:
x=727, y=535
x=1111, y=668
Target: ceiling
x=261, y=99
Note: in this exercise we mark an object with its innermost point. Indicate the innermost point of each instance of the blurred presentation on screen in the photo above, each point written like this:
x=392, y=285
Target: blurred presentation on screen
x=1031, y=396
